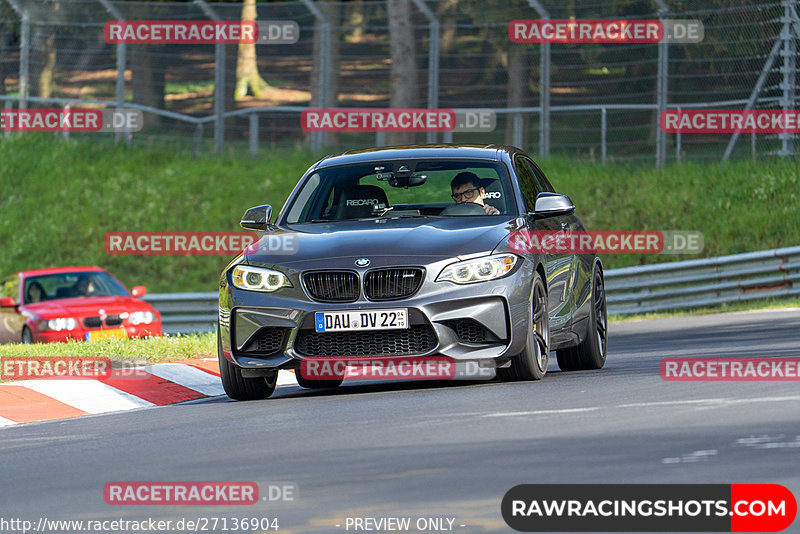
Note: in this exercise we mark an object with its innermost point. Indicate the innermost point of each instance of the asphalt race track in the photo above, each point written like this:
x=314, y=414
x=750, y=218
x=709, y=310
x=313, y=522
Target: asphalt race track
x=425, y=450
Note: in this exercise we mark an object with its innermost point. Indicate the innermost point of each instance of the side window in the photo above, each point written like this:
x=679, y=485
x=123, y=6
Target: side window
x=527, y=182
x=9, y=287
x=544, y=183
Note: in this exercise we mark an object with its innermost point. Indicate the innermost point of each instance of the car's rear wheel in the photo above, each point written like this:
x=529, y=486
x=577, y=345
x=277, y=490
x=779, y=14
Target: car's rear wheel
x=239, y=387
x=591, y=353
x=531, y=363
x=316, y=384
x=27, y=335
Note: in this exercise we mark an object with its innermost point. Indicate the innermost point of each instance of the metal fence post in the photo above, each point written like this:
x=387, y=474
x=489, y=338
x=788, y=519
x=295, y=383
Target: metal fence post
x=517, y=132
x=198, y=138
x=544, y=90
x=253, y=134
x=603, y=135
x=319, y=139
x=662, y=85
x=121, y=60
x=433, y=59
x=24, y=53
x=789, y=72
x=6, y=107
x=219, y=83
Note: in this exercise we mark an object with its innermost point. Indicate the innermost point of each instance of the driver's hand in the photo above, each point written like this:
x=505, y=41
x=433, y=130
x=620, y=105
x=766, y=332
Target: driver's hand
x=490, y=210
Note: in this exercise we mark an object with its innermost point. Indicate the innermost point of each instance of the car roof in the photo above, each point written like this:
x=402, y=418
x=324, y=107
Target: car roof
x=56, y=270
x=490, y=152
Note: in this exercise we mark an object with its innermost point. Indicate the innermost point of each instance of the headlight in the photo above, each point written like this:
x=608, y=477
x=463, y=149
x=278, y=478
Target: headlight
x=478, y=269
x=61, y=323
x=259, y=279
x=141, y=317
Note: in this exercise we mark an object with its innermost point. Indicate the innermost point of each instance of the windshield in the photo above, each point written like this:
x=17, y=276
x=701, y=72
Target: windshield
x=416, y=188
x=71, y=285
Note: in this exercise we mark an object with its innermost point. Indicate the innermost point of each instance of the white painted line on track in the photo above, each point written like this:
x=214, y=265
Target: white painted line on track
x=6, y=422
x=541, y=412
x=189, y=377
x=91, y=396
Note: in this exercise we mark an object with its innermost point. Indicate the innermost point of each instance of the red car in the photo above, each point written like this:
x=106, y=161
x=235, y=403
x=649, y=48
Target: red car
x=80, y=303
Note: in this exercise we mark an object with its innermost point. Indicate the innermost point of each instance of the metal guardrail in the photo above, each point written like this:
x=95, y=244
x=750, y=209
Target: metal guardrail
x=705, y=282
x=648, y=288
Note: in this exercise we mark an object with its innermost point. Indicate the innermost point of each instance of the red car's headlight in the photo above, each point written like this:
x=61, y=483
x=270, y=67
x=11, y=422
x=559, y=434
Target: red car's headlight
x=58, y=324
x=141, y=317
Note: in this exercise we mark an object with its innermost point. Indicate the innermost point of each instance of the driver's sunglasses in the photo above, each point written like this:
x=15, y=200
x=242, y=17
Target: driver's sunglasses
x=468, y=194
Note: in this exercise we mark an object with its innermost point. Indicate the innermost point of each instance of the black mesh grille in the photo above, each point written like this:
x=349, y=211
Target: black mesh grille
x=418, y=339
x=390, y=284
x=268, y=341
x=113, y=320
x=469, y=331
x=92, y=322
x=332, y=286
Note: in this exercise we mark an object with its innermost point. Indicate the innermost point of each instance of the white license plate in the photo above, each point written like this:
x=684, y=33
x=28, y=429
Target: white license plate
x=347, y=321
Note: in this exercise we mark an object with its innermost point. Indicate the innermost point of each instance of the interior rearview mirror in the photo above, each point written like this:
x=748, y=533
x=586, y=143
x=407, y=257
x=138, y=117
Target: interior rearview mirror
x=257, y=218
x=552, y=205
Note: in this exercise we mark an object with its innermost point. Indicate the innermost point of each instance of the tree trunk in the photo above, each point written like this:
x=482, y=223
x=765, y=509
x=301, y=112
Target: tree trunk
x=404, y=68
x=147, y=79
x=248, y=80
x=446, y=12
x=332, y=10
x=516, y=89
x=43, y=60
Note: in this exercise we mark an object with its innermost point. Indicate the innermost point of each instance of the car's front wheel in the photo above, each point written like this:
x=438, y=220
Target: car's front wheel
x=27, y=335
x=239, y=387
x=531, y=363
x=591, y=353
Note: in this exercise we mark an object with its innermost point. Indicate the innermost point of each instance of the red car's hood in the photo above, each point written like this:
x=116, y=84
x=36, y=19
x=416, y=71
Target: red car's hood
x=86, y=306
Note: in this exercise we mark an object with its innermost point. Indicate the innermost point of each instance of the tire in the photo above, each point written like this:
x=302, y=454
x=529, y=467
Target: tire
x=591, y=353
x=27, y=336
x=238, y=387
x=531, y=363
x=316, y=384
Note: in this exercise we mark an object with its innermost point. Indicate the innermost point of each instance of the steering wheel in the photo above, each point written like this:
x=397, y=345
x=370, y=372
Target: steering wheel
x=465, y=208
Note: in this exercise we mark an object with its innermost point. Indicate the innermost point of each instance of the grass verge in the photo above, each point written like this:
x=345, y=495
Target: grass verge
x=59, y=198
x=141, y=351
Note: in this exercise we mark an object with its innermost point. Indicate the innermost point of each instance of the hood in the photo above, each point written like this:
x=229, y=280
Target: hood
x=86, y=306
x=431, y=238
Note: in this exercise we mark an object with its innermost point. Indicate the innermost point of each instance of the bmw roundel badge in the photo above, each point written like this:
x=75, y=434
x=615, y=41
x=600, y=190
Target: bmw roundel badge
x=362, y=262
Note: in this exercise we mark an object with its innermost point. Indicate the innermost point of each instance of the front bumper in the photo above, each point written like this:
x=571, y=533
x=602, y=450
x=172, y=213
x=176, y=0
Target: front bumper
x=497, y=310
x=79, y=334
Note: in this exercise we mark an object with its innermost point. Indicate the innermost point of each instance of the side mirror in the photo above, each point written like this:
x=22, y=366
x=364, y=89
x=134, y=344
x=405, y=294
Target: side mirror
x=552, y=205
x=7, y=302
x=257, y=218
x=139, y=291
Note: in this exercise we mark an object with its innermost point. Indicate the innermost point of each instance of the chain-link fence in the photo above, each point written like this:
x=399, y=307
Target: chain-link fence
x=593, y=101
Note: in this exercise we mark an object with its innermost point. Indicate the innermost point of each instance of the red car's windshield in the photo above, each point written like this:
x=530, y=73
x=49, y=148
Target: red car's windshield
x=71, y=285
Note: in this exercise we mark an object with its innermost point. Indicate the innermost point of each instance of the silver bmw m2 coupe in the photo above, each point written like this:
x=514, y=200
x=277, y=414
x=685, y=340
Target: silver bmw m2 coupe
x=406, y=252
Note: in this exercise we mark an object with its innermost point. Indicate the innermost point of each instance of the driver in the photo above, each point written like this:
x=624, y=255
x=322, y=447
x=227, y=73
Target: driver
x=84, y=288
x=465, y=190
